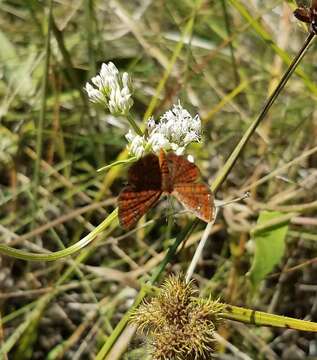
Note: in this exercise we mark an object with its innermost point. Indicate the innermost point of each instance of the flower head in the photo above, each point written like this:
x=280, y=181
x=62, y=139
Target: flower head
x=179, y=324
x=174, y=131
x=111, y=89
x=137, y=144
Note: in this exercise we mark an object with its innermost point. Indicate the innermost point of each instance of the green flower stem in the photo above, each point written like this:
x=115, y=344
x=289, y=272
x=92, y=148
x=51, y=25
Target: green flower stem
x=134, y=125
x=260, y=318
x=25, y=255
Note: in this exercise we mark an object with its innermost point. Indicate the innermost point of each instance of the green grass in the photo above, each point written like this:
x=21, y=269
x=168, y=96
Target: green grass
x=220, y=62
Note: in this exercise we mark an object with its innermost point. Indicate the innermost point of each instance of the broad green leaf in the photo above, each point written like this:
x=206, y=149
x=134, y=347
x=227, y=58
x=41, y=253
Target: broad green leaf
x=269, y=244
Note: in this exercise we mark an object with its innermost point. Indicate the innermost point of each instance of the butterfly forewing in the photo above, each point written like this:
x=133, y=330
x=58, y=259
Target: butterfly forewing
x=144, y=189
x=145, y=173
x=303, y=14
x=133, y=204
x=182, y=170
x=197, y=198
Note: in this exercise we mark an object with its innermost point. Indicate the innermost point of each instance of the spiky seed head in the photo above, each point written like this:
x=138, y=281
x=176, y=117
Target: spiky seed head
x=179, y=325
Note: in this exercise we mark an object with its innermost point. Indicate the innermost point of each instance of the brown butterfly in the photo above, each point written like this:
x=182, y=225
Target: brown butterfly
x=151, y=176
x=308, y=15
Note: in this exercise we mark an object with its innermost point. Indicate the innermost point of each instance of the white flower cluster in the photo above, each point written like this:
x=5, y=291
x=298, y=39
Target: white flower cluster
x=174, y=131
x=111, y=89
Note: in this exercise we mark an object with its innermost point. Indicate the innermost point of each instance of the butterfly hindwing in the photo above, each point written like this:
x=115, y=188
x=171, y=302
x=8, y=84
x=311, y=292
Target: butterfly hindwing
x=133, y=204
x=197, y=198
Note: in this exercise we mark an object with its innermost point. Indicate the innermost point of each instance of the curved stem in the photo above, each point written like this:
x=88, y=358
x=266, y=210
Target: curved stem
x=25, y=255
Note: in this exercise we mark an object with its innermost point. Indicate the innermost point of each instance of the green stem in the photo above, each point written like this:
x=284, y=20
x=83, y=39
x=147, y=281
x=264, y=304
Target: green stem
x=134, y=125
x=40, y=124
x=261, y=318
x=120, y=326
x=25, y=255
x=224, y=172
x=89, y=17
x=233, y=59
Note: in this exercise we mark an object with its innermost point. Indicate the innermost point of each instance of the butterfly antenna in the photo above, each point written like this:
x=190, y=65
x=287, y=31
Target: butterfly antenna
x=225, y=203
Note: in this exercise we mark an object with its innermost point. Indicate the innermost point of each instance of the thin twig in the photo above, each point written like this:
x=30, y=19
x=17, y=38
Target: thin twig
x=199, y=249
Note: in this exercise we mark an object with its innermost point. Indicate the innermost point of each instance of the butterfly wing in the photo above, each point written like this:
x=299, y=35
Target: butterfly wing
x=197, y=198
x=182, y=170
x=144, y=189
x=133, y=204
x=145, y=174
x=303, y=14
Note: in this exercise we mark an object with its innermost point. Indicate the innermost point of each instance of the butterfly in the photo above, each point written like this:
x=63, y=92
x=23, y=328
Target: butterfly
x=308, y=15
x=151, y=176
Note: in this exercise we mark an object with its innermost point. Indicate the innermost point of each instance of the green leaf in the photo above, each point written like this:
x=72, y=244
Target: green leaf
x=269, y=244
x=116, y=163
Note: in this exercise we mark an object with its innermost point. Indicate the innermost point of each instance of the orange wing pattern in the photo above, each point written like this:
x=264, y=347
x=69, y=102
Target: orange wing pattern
x=145, y=174
x=173, y=174
x=197, y=198
x=182, y=170
x=133, y=204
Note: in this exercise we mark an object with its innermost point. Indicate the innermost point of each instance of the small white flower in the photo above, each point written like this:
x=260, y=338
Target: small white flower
x=94, y=94
x=111, y=89
x=129, y=136
x=174, y=131
x=137, y=144
x=178, y=128
x=157, y=141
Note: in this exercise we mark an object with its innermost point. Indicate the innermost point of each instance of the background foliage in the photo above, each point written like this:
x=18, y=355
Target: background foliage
x=51, y=196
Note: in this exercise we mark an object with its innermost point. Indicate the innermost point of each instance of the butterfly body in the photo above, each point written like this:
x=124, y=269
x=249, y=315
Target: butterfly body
x=308, y=15
x=170, y=174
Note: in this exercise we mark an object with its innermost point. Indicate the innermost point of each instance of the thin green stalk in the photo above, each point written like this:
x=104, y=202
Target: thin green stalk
x=120, y=326
x=225, y=170
x=262, y=33
x=134, y=125
x=29, y=256
x=176, y=53
x=90, y=35
x=261, y=318
x=69, y=65
x=41, y=120
x=5, y=357
x=233, y=59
